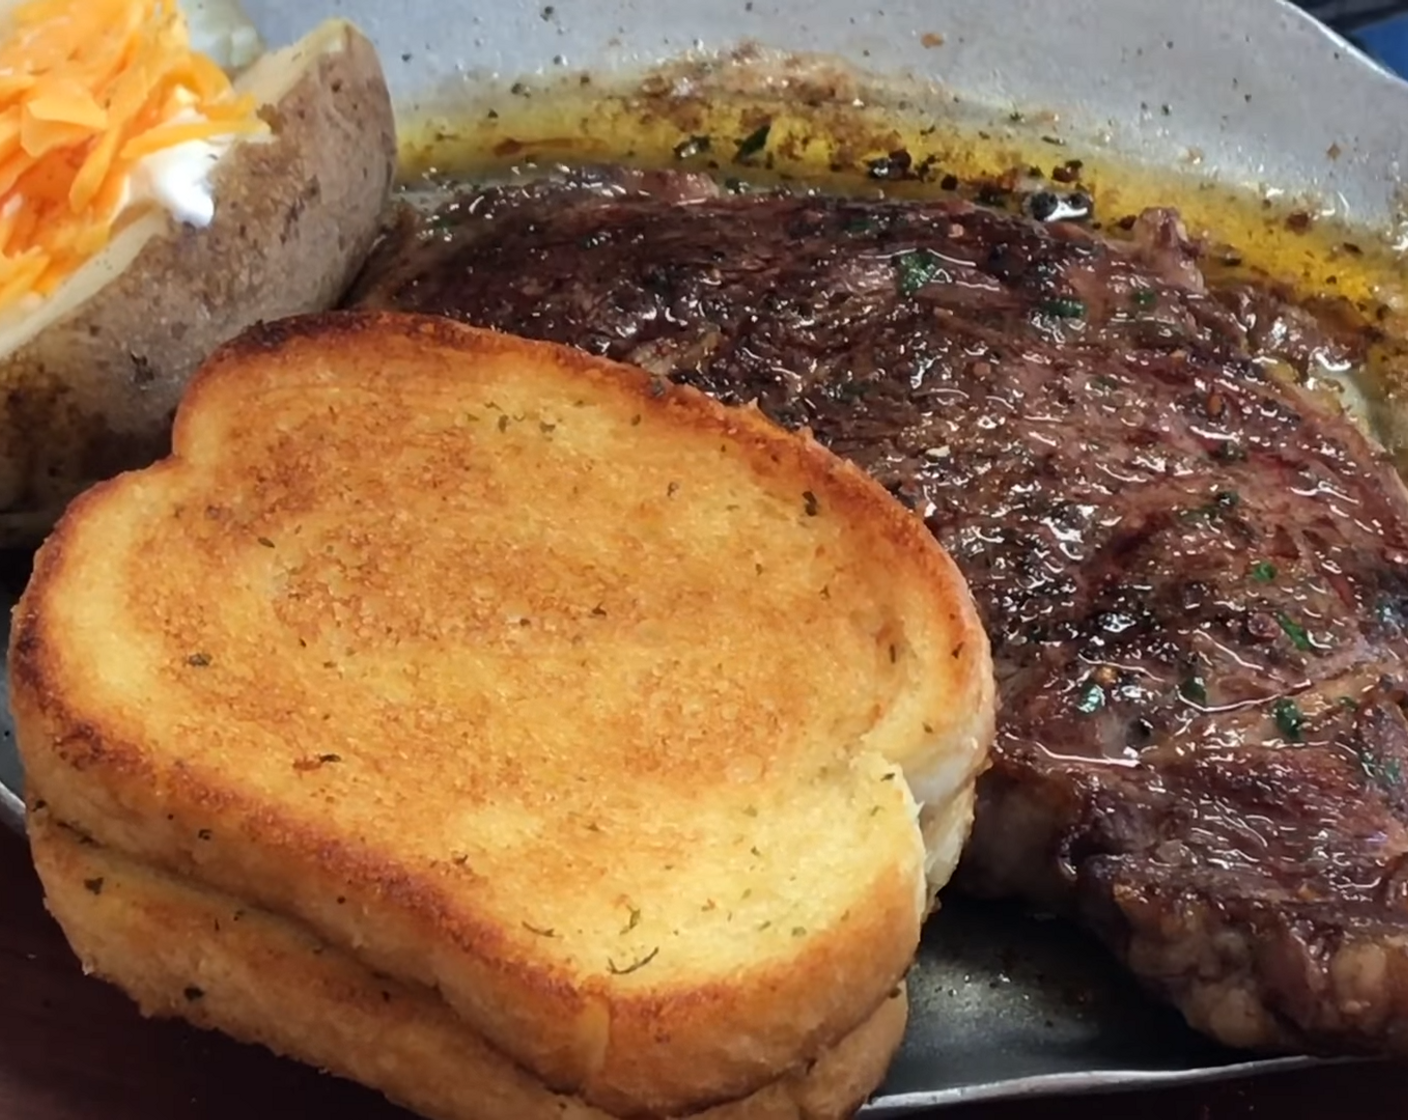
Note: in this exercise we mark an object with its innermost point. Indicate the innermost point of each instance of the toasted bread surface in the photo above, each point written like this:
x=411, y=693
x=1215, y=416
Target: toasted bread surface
x=526, y=676
x=266, y=980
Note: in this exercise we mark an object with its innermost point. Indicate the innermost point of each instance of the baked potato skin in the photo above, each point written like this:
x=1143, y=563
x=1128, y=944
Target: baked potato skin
x=94, y=392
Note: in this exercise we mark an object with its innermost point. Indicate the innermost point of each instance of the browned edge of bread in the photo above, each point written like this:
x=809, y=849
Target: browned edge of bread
x=107, y=785
x=262, y=979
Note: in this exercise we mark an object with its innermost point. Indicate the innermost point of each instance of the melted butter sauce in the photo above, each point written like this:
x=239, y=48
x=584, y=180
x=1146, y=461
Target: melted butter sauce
x=845, y=149
x=851, y=148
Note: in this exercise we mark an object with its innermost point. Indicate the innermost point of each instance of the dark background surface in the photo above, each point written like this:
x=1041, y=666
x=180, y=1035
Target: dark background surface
x=73, y=1049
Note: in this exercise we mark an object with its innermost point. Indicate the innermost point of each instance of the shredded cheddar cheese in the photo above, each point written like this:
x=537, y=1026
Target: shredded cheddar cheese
x=88, y=88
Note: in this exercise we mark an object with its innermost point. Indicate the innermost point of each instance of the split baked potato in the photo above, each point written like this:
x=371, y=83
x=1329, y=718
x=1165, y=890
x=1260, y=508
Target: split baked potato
x=91, y=375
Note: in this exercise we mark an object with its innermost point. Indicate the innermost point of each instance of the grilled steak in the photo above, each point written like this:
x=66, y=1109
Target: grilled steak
x=1192, y=565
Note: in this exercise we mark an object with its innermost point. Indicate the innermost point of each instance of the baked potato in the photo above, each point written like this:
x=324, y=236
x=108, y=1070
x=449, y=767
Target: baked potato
x=91, y=373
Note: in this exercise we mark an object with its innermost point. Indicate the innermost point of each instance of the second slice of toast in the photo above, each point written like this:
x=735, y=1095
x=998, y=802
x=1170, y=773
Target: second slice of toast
x=640, y=729
x=262, y=979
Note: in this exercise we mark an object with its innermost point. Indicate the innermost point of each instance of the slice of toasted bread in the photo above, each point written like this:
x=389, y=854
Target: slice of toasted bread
x=266, y=980
x=604, y=709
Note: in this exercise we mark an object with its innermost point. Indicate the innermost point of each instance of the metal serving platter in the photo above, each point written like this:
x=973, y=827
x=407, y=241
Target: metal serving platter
x=1004, y=1004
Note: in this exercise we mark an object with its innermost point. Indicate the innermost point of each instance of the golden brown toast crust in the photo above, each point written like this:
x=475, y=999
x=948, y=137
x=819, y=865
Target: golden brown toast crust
x=162, y=713
x=265, y=980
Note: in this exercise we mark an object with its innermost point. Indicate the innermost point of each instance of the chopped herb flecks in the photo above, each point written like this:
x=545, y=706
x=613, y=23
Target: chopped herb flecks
x=1264, y=571
x=1194, y=689
x=634, y=966
x=1091, y=699
x=1143, y=297
x=1386, y=773
x=917, y=269
x=754, y=142
x=1289, y=719
x=1299, y=635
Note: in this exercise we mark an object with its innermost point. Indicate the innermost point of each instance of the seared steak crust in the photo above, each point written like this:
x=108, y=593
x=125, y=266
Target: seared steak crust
x=1193, y=568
